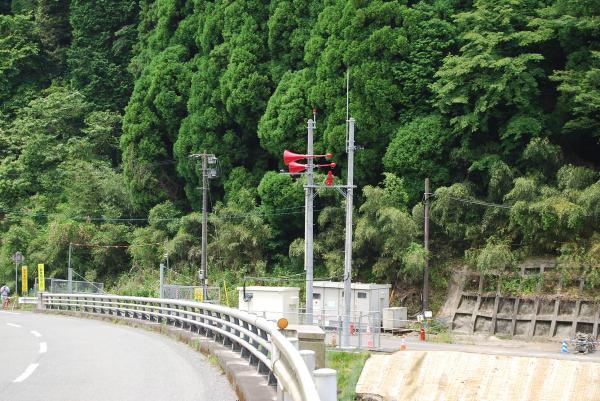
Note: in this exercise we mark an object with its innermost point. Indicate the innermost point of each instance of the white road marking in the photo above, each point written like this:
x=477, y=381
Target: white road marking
x=30, y=369
x=14, y=325
x=9, y=313
x=35, y=333
x=43, y=348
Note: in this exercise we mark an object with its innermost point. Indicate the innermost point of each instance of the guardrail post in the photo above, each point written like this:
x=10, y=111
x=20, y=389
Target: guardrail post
x=282, y=395
x=226, y=340
x=310, y=359
x=40, y=301
x=326, y=382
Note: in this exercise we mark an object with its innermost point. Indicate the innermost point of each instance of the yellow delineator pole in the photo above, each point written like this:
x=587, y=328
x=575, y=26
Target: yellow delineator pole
x=41, y=279
x=24, y=287
x=226, y=294
x=198, y=295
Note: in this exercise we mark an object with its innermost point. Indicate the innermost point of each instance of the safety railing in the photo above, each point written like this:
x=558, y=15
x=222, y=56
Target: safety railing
x=257, y=339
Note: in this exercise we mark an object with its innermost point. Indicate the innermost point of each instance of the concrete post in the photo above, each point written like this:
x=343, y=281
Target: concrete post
x=309, y=357
x=426, y=243
x=345, y=340
x=40, y=303
x=203, y=272
x=162, y=281
x=295, y=342
x=326, y=382
x=70, y=271
x=308, y=226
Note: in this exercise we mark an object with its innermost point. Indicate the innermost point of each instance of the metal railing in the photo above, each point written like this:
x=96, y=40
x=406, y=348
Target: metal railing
x=257, y=339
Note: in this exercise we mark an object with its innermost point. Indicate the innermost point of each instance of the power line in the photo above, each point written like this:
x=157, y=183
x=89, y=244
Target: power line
x=473, y=201
x=116, y=245
x=275, y=212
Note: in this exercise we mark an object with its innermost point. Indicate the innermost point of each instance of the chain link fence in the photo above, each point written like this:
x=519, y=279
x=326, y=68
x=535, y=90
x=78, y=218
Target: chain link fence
x=192, y=293
x=365, y=328
x=61, y=286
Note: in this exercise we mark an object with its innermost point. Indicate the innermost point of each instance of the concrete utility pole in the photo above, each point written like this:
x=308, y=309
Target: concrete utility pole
x=162, y=281
x=207, y=173
x=17, y=258
x=70, y=271
x=203, y=272
x=426, y=243
x=348, y=246
x=308, y=225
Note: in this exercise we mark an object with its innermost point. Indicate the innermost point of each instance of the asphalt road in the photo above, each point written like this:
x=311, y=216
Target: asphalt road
x=58, y=358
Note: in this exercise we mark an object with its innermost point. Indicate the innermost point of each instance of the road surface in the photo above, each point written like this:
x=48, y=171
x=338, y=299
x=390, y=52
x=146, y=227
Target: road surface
x=58, y=358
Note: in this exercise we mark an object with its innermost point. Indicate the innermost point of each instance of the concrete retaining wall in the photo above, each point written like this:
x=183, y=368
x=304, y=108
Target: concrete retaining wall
x=558, y=315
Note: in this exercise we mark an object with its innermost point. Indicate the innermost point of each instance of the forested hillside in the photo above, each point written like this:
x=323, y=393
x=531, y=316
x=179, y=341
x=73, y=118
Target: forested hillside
x=103, y=101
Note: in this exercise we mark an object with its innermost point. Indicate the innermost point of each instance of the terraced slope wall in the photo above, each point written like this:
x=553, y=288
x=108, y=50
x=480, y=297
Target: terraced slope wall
x=554, y=307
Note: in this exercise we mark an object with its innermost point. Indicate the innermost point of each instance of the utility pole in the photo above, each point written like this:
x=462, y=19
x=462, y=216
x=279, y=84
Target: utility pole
x=203, y=273
x=426, y=241
x=308, y=225
x=70, y=271
x=348, y=245
x=161, y=290
x=207, y=173
x=17, y=258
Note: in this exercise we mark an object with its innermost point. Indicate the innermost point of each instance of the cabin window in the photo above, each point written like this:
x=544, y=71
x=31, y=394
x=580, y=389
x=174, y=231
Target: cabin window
x=316, y=296
x=361, y=294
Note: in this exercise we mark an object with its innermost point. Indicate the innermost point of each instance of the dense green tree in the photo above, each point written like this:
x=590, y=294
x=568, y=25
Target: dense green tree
x=21, y=64
x=384, y=226
x=150, y=127
x=229, y=91
x=103, y=102
x=240, y=237
x=419, y=150
x=282, y=202
x=103, y=36
x=52, y=26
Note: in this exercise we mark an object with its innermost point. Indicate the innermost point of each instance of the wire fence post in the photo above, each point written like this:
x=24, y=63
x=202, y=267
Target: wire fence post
x=360, y=316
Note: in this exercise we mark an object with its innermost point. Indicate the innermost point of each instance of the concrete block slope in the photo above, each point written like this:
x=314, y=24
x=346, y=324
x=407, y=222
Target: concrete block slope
x=462, y=376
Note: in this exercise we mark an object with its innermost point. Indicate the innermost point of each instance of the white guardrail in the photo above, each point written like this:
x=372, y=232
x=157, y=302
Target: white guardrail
x=257, y=339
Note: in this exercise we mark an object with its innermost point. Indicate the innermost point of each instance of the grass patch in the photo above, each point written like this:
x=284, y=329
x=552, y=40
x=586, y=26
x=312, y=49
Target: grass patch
x=348, y=365
x=442, y=337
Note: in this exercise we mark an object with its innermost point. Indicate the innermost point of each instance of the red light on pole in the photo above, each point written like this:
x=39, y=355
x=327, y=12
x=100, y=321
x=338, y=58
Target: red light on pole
x=329, y=179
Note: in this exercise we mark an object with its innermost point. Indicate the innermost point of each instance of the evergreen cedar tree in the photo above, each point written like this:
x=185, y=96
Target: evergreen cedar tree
x=101, y=103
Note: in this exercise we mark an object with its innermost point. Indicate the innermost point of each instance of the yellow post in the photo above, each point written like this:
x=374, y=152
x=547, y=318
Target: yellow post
x=198, y=294
x=41, y=278
x=226, y=294
x=24, y=286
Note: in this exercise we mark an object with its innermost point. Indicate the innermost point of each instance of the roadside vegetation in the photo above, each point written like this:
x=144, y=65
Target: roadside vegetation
x=348, y=365
x=101, y=104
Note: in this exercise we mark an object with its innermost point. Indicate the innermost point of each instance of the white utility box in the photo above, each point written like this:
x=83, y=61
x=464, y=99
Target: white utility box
x=367, y=303
x=395, y=318
x=272, y=303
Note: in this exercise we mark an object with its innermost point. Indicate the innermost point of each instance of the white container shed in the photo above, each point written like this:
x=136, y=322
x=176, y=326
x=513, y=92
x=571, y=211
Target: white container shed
x=270, y=302
x=368, y=299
